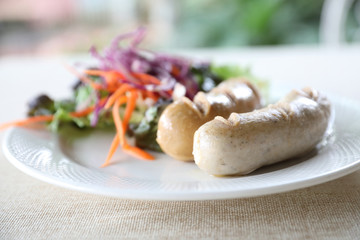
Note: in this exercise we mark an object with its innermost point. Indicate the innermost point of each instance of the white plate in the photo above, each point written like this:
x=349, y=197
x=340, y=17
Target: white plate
x=73, y=162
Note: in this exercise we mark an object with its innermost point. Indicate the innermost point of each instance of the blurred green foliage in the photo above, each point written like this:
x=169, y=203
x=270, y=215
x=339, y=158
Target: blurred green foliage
x=208, y=23
x=352, y=30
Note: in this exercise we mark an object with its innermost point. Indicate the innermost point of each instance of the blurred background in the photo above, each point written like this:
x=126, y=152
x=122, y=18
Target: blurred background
x=46, y=27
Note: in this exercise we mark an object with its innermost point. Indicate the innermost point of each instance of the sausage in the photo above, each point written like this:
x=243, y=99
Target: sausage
x=244, y=142
x=180, y=120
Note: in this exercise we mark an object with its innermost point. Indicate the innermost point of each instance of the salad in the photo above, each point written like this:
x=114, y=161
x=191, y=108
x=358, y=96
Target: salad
x=127, y=90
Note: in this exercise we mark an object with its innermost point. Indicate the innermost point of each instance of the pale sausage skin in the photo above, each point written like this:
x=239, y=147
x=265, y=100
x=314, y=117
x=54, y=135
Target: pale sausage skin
x=180, y=120
x=245, y=142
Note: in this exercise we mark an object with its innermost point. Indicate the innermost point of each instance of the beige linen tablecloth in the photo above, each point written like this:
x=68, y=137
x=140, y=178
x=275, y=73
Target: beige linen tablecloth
x=31, y=209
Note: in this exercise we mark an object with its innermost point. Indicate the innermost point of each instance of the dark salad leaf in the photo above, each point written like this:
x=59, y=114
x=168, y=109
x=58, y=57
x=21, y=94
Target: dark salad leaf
x=145, y=131
x=41, y=105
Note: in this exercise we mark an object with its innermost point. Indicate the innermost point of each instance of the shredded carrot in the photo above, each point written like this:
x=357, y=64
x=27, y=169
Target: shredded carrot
x=84, y=112
x=170, y=92
x=115, y=143
x=146, y=78
x=83, y=78
x=130, y=106
x=111, y=77
x=152, y=95
x=103, y=101
x=120, y=91
x=137, y=152
x=43, y=118
x=104, y=73
x=94, y=72
x=117, y=121
x=121, y=127
x=175, y=71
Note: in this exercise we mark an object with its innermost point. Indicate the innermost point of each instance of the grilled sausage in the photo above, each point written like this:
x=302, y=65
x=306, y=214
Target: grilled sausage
x=245, y=142
x=180, y=120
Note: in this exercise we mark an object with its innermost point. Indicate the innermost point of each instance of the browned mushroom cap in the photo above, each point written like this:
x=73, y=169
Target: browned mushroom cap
x=182, y=118
x=176, y=128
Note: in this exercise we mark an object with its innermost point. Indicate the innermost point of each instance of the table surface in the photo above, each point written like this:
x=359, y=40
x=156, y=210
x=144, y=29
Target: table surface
x=31, y=209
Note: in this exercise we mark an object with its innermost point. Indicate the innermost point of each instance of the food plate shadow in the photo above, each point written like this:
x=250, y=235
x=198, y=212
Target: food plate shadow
x=285, y=164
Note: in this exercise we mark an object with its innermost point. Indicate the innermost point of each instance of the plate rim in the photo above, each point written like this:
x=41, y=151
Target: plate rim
x=178, y=195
